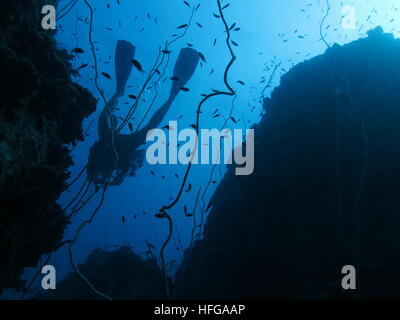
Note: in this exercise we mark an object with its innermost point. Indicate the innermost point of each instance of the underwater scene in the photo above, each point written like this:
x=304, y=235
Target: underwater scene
x=200, y=150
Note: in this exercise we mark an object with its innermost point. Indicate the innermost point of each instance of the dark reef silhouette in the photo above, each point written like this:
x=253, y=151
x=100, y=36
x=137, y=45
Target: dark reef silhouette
x=41, y=110
x=325, y=191
x=121, y=274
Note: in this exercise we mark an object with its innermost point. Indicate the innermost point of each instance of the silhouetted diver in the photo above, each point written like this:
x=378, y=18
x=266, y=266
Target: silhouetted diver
x=102, y=155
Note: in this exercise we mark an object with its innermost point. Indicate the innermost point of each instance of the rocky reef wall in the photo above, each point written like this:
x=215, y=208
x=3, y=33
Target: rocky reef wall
x=41, y=111
x=120, y=274
x=325, y=190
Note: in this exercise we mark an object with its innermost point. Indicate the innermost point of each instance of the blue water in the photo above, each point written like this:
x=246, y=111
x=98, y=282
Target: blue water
x=282, y=32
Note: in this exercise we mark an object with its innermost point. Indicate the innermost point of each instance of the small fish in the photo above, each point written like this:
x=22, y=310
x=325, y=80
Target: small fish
x=174, y=78
x=189, y=187
x=184, y=89
x=202, y=57
x=189, y=45
x=137, y=65
x=82, y=66
x=215, y=42
x=226, y=6
x=235, y=43
x=152, y=172
x=186, y=3
x=199, y=25
x=132, y=96
x=233, y=119
x=105, y=74
x=209, y=206
x=180, y=117
x=182, y=26
x=211, y=72
x=232, y=26
x=216, y=15
x=241, y=82
x=78, y=50
x=168, y=128
x=123, y=219
x=166, y=51
x=130, y=126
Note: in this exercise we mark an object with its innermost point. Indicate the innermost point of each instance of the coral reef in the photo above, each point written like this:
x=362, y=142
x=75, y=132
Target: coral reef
x=324, y=193
x=41, y=111
x=121, y=274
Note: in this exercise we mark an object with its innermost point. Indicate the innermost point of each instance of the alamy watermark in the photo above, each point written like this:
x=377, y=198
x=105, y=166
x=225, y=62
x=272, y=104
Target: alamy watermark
x=49, y=278
x=349, y=280
x=49, y=20
x=183, y=147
